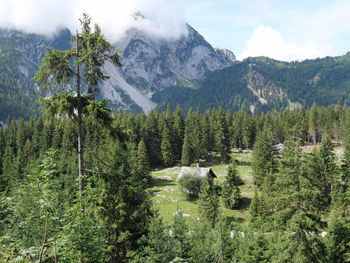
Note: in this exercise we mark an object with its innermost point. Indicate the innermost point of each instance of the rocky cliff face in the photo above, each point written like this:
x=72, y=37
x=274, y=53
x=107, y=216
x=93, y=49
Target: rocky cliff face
x=152, y=64
x=27, y=50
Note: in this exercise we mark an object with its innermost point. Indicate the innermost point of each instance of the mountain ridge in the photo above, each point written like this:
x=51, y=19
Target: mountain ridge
x=186, y=71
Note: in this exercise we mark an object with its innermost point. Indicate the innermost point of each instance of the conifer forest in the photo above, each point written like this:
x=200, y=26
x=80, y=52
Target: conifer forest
x=77, y=183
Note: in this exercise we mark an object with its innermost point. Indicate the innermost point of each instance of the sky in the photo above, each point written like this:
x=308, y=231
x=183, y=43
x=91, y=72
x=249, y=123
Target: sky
x=281, y=29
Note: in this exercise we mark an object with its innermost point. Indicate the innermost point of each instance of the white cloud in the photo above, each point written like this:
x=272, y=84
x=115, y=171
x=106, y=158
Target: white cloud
x=269, y=42
x=163, y=17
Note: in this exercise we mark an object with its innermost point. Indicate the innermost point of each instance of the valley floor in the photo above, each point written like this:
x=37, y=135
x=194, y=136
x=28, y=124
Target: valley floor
x=168, y=199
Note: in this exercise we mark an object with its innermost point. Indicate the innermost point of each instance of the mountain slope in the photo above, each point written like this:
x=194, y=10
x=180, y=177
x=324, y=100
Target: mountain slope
x=186, y=71
x=152, y=64
x=20, y=57
x=265, y=84
x=149, y=65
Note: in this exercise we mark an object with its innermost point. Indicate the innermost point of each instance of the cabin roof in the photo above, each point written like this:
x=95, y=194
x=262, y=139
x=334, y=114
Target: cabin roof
x=196, y=171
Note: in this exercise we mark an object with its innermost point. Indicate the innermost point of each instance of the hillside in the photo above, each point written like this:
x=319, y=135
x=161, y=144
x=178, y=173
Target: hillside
x=267, y=84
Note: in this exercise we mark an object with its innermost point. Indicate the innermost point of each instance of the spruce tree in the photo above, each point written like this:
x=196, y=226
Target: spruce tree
x=159, y=247
x=338, y=236
x=258, y=212
x=143, y=168
x=313, y=122
x=179, y=131
x=167, y=148
x=207, y=141
x=222, y=137
x=181, y=237
x=297, y=219
x=187, y=152
x=321, y=171
x=230, y=189
x=152, y=137
x=263, y=157
x=82, y=63
x=208, y=203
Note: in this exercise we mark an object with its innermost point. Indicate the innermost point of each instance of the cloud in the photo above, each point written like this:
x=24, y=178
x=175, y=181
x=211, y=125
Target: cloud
x=162, y=18
x=269, y=42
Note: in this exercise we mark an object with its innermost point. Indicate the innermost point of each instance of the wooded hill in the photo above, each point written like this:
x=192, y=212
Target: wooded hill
x=272, y=85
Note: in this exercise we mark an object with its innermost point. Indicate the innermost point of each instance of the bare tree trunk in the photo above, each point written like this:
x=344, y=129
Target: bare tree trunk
x=80, y=144
x=80, y=129
x=44, y=242
x=314, y=135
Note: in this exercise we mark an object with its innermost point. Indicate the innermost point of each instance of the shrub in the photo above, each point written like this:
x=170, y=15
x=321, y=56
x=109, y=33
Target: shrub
x=190, y=185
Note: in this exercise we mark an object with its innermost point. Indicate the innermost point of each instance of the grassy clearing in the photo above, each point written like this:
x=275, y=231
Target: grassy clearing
x=167, y=197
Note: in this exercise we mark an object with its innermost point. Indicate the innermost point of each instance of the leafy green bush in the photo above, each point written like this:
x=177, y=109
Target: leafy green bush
x=190, y=185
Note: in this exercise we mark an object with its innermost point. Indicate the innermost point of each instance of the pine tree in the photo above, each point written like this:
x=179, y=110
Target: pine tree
x=296, y=215
x=159, y=248
x=122, y=203
x=258, y=212
x=181, y=237
x=152, y=137
x=207, y=143
x=81, y=64
x=313, y=122
x=88, y=55
x=143, y=168
x=254, y=248
x=321, y=170
x=187, y=152
x=208, y=203
x=338, y=236
x=328, y=168
x=20, y=135
x=222, y=138
x=263, y=157
x=179, y=131
x=2, y=146
x=167, y=148
x=8, y=176
x=230, y=190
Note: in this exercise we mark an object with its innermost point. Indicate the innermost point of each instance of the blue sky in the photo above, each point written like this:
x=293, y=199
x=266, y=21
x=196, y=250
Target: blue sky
x=285, y=30
x=280, y=29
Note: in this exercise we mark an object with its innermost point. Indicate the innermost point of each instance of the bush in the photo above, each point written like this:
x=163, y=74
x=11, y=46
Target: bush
x=190, y=185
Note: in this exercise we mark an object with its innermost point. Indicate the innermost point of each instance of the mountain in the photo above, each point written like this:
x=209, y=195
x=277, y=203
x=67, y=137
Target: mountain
x=185, y=70
x=149, y=65
x=20, y=58
x=154, y=64
x=266, y=84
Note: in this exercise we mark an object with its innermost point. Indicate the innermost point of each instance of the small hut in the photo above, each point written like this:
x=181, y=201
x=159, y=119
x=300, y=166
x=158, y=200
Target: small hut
x=200, y=172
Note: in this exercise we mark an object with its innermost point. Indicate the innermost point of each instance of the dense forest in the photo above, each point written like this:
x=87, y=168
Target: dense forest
x=75, y=183
x=298, y=196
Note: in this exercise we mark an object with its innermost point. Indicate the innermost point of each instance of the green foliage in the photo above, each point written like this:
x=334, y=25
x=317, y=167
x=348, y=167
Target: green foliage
x=187, y=152
x=142, y=168
x=159, y=247
x=208, y=203
x=167, y=148
x=254, y=248
x=190, y=185
x=338, y=237
x=222, y=138
x=230, y=189
x=287, y=213
x=181, y=238
x=263, y=157
x=296, y=212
